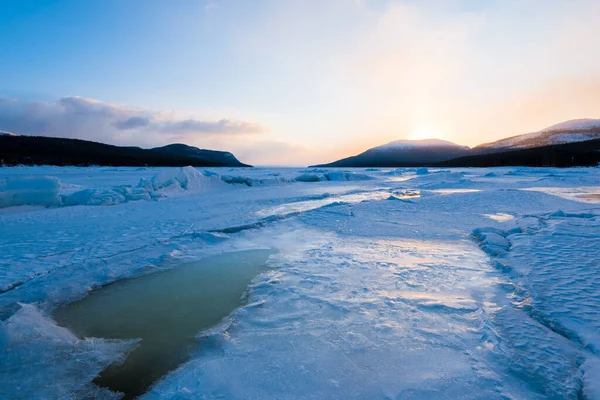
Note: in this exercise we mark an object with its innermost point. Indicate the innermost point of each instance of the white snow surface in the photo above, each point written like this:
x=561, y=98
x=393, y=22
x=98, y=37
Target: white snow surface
x=574, y=124
x=577, y=130
x=476, y=283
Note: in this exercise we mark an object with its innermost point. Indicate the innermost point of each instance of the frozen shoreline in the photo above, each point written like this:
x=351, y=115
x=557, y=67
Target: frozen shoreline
x=372, y=297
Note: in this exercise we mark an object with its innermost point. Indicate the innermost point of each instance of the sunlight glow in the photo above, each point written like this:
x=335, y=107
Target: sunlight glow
x=425, y=132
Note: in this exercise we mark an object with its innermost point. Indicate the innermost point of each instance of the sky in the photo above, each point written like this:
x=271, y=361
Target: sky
x=296, y=82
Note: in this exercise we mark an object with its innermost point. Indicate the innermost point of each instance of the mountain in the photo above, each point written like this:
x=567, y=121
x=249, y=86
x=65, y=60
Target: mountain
x=42, y=150
x=5, y=133
x=581, y=154
x=577, y=130
x=403, y=153
x=183, y=150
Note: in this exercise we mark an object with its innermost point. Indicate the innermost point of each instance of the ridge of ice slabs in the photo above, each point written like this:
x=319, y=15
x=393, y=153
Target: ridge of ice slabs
x=29, y=190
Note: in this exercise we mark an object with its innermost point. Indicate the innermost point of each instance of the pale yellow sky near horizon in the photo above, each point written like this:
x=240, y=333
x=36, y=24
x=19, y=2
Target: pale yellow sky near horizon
x=469, y=76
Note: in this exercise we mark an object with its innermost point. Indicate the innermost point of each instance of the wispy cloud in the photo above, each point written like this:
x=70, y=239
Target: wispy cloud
x=78, y=117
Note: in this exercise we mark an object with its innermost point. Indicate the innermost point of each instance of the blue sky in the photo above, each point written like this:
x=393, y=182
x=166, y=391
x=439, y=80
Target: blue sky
x=297, y=81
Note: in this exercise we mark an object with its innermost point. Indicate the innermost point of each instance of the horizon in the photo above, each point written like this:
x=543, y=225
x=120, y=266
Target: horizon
x=280, y=84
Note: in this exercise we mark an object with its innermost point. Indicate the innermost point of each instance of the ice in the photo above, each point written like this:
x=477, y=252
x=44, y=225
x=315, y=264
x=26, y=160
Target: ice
x=147, y=308
x=500, y=217
x=321, y=201
x=333, y=176
x=591, y=378
x=310, y=178
x=29, y=190
x=472, y=286
x=184, y=178
x=493, y=240
x=244, y=180
x=44, y=361
x=347, y=176
x=583, y=194
x=44, y=191
x=440, y=180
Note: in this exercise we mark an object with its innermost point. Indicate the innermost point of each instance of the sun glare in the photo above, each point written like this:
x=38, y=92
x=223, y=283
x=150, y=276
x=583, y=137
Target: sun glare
x=425, y=132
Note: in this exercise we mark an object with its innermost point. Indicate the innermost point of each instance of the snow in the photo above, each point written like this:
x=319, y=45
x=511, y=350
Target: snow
x=420, y=144
x=574, y=124
x=577, y=130
x=472, y=283
x=5, y=133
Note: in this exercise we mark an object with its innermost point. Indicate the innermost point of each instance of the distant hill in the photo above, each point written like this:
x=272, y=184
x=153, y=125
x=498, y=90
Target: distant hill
x=42, y=150
x=183, y=150
x=577, y=130
x=580, y=154
x=417, y=153
x=5, y=133
x=403, y=153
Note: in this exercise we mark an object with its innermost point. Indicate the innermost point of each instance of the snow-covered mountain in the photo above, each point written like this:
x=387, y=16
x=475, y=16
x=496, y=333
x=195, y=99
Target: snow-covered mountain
x=404, y=153
x=5, y=133
x=419, y=144
x=577, y=130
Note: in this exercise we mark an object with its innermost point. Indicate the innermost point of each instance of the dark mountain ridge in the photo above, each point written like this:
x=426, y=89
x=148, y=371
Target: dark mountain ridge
x=403, y=153
x=431, y=152
x=43, y=150
x=576, y=154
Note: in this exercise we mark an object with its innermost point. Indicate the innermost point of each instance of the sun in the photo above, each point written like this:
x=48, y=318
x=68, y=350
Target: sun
x=422, y=131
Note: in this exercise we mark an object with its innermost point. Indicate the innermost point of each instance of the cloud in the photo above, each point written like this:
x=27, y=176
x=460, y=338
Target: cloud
x=222, y=126
x=132, y=123
x=78, y=117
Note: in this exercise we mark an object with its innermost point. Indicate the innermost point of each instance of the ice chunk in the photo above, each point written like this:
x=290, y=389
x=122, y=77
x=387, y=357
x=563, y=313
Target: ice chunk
x=493, y=240
x=347, y=176
x=236, y=179
x=275, y=180
x=310, y=178
x=29, y=190
x=184, y=178
x=41, y=360
x=93, y=197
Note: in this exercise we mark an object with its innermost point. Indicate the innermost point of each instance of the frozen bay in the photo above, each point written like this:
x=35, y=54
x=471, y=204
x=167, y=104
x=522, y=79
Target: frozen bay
x=383, y=284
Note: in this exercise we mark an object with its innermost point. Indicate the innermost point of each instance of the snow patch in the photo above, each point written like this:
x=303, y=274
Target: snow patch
x=574, y=124
x=419, y=144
